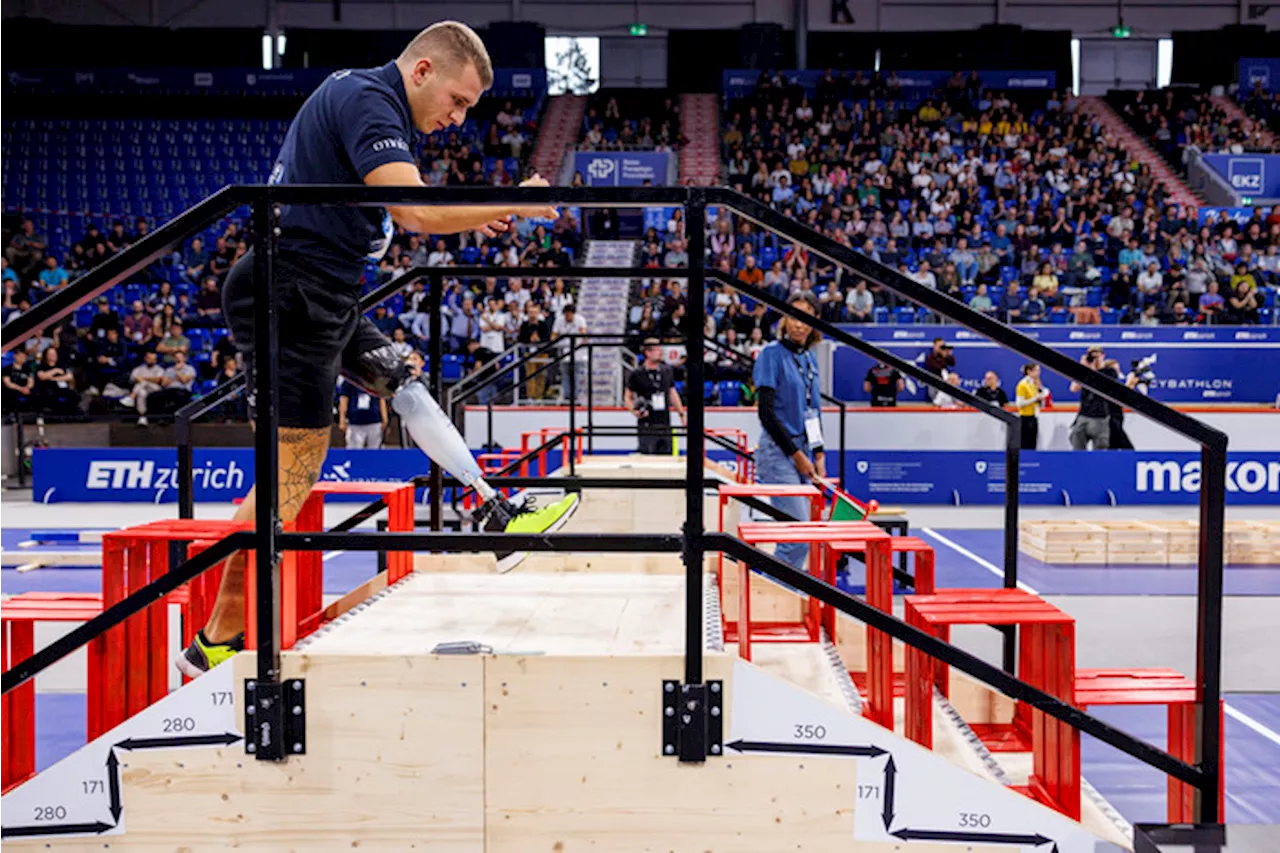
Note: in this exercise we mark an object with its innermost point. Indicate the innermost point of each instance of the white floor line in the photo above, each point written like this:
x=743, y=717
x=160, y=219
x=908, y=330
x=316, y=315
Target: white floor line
x=329, y=556
x=986, y=564
x=1242, y=717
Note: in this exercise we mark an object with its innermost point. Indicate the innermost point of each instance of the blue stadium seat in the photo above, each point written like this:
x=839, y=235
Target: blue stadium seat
x=730, y=393
x=451, y=368
x=880, y=314
x=904, y=315
x=1110, y=317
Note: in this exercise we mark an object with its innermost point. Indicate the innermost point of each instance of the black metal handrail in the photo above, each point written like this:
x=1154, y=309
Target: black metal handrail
x=269, y=541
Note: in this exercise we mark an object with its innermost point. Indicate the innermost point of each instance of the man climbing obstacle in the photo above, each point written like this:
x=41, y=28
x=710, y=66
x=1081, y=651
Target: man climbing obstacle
x=357, y=127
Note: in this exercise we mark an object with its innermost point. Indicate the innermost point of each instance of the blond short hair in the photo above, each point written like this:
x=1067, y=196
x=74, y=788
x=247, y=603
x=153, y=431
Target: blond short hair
x=453, y=44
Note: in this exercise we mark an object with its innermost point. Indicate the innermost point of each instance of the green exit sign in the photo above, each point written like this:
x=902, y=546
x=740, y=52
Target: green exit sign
x=639, y=29
x=1121, y=32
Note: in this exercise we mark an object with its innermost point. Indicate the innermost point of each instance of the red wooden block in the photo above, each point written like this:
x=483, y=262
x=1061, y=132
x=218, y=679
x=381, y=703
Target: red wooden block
x=1046, y=661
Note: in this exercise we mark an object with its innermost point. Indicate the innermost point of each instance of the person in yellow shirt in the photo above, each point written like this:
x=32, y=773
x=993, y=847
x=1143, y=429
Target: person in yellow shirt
x=1030, y=396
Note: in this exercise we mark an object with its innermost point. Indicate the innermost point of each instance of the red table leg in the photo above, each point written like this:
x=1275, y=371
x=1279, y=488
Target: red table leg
x=879, y=644
x=137, y=634
x=21, y=725
x=157, y=626
x=744, y=611
x=114, y=704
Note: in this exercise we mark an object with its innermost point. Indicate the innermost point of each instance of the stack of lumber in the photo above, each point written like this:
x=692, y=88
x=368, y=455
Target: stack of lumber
x=1149, y=543
x=1070, y=542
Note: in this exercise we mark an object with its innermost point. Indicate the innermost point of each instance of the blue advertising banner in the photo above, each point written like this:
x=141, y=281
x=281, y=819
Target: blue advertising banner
x=740, y=82
x=1254, y=71
x=1240, y=215
x=507, y=82
x=1121, y=478
x=1256, y=175
x=621, y=168
x=1217, y=364
x=150, y=474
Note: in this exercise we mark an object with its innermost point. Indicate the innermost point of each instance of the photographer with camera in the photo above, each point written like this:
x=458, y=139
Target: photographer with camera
x=1094, y=421
x=651, y=396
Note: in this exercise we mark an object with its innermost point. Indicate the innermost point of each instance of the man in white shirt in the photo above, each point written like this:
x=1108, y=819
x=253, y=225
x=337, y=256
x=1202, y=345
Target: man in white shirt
x=1150, y=282
x=147, y=379
x=568, y=323
x=493, y=325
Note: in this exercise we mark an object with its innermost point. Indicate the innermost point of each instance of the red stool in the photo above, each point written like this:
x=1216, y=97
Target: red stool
x=1156, y=686
x=135, y=658
x=730, y=491
x=745, y=473
x=817, y=615
x=543, y=436
x=17, y=643
x=305, y=568
x=879, y=684
x=1046, y=660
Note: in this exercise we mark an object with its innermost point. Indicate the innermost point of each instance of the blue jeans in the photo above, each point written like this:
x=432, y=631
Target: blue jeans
x=774, y=466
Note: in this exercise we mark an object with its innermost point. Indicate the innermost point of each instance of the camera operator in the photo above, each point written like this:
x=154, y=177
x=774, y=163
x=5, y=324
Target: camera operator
x=1093, y=423
x=650, y=396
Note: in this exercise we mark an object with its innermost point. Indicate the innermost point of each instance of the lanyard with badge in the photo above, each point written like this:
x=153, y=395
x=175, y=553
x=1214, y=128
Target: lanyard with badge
x=812, y=417
x=658, y=399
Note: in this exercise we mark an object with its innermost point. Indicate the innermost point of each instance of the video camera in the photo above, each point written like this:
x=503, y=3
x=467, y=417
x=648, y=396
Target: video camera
x=1141, y=367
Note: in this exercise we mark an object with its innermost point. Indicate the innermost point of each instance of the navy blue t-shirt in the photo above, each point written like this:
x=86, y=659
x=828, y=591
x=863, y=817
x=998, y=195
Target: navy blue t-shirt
x=362, y=407
x=354, y=122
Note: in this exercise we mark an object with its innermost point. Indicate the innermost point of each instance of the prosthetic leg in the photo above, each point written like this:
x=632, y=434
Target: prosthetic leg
x=382, y=373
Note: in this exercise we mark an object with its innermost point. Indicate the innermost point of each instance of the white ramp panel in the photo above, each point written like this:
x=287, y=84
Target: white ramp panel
x=82, y=794
x=904, y=793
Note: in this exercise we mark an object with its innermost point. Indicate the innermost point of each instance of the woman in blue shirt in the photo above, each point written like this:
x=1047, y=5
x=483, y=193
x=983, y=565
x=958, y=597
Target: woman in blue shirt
x=787, y=388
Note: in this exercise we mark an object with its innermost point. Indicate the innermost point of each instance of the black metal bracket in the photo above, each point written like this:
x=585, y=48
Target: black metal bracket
x=275, y=718
x=692, y=720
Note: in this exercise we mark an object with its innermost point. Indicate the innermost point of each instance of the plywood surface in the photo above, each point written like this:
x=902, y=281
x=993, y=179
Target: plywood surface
x=602, y=782
x=395, y=762
x=518, y=612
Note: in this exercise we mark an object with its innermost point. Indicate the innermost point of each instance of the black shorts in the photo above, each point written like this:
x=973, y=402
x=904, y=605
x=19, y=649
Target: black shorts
x=318, y=332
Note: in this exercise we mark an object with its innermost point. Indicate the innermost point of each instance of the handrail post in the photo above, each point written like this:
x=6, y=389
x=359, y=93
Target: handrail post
x=844, y=413
x=435, y=347
x=1213, y=498
x=186, y=464
x=1012, y=497
x=268, y=735
x=591, y=403
x=573, y=405
x=695, y=443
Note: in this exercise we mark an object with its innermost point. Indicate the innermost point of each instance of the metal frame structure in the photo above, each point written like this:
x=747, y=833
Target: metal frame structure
x=694, y=541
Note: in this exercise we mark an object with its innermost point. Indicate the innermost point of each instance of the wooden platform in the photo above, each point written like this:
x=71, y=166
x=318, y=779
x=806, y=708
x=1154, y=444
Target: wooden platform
x=553, y=742
x=1159, y=543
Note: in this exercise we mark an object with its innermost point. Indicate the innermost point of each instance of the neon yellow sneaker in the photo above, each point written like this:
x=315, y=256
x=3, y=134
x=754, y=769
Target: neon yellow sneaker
x=202, y=655
x=505, y=516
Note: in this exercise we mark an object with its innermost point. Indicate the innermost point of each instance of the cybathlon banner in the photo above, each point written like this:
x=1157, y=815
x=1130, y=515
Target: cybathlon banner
x=1197, y=364
x=621, y=168
x=1061, y=478
x=150, y=474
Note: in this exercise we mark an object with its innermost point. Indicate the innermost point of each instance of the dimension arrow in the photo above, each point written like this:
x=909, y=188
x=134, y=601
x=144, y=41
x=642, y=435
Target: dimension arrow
x=969, y=837
x=225, y=739
x=65, y=829
x=890, y=771
x=809, y=748
x=113, y=781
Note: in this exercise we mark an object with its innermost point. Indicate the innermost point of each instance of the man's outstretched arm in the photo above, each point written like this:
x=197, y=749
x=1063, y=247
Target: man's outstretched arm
x=451, y=219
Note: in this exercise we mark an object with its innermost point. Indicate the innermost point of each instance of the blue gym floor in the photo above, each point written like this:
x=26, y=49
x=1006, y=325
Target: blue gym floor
x=964, y=558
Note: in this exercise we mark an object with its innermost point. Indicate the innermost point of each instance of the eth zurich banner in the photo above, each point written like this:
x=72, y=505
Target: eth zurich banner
x=1198, y=364
x=1121, y=477
x=1255, y=175
x=621, y=168
x=150, y=474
